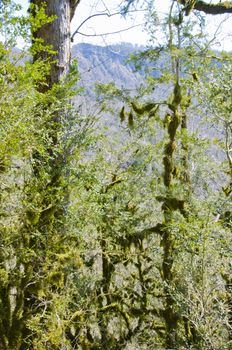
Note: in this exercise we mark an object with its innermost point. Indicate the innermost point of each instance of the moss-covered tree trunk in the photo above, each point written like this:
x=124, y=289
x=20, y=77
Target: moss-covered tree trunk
x=175, y=173
x=170, y=204
x=45, y=193
x=55, y=39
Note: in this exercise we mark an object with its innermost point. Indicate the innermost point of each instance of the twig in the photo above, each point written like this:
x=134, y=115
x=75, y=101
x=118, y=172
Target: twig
x=110, y=33
x=97, y=15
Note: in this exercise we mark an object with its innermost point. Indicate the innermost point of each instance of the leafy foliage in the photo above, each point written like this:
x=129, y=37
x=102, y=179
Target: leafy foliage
x=120, y=237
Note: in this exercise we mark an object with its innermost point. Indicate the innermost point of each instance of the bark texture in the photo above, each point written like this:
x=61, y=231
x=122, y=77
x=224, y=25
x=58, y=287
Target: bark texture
x=57, y=36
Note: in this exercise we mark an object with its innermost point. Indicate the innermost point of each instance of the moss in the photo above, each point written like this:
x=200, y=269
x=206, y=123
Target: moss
x=142, y=109
x=176, y=172
x=76, y=316
x=47, y=218
x=168, y=169
x=56, y=278
x=173, y=204
x=177, y=94
x=4, y=164
x=122, y=114
x=170, y=148
x=3, y=277
x=172, y=107
x=167, y=120
x=130, y=120
x=32, y=216
x=153, y=111
x=173, y=125
x=149, y=106
x=137, y=109
x=189, y=7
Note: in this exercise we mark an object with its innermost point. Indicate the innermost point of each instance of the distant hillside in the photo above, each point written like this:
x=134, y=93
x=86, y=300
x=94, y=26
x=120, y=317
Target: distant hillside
x=104, y=64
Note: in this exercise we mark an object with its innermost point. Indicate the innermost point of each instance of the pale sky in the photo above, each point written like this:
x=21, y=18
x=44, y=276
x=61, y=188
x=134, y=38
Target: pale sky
x=103, y=24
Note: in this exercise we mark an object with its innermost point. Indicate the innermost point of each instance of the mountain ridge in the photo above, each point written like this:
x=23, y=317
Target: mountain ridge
x=103, y=64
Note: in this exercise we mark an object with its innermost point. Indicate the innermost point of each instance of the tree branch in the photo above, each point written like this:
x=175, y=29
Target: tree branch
x=140, y=235
x=73, y=5
x=109, y=33
x=102, y=14
x=210, y=9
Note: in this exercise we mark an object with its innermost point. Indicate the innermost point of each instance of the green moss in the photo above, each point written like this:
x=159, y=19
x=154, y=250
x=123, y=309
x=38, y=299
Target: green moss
x=137, y=109
x=170, y=148
x=33, y=216
x=3, y=277
x=130, y=120
x=4, y=164
x=56, y=278
x=122, y=114
x=142, y=109
x=173, y=125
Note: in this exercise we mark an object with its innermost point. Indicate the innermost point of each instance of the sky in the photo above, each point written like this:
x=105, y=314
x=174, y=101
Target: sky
x=102, y=24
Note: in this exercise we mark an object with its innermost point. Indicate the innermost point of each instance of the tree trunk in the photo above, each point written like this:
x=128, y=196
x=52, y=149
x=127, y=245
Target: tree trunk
x=57, y=36
x=38, y=231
